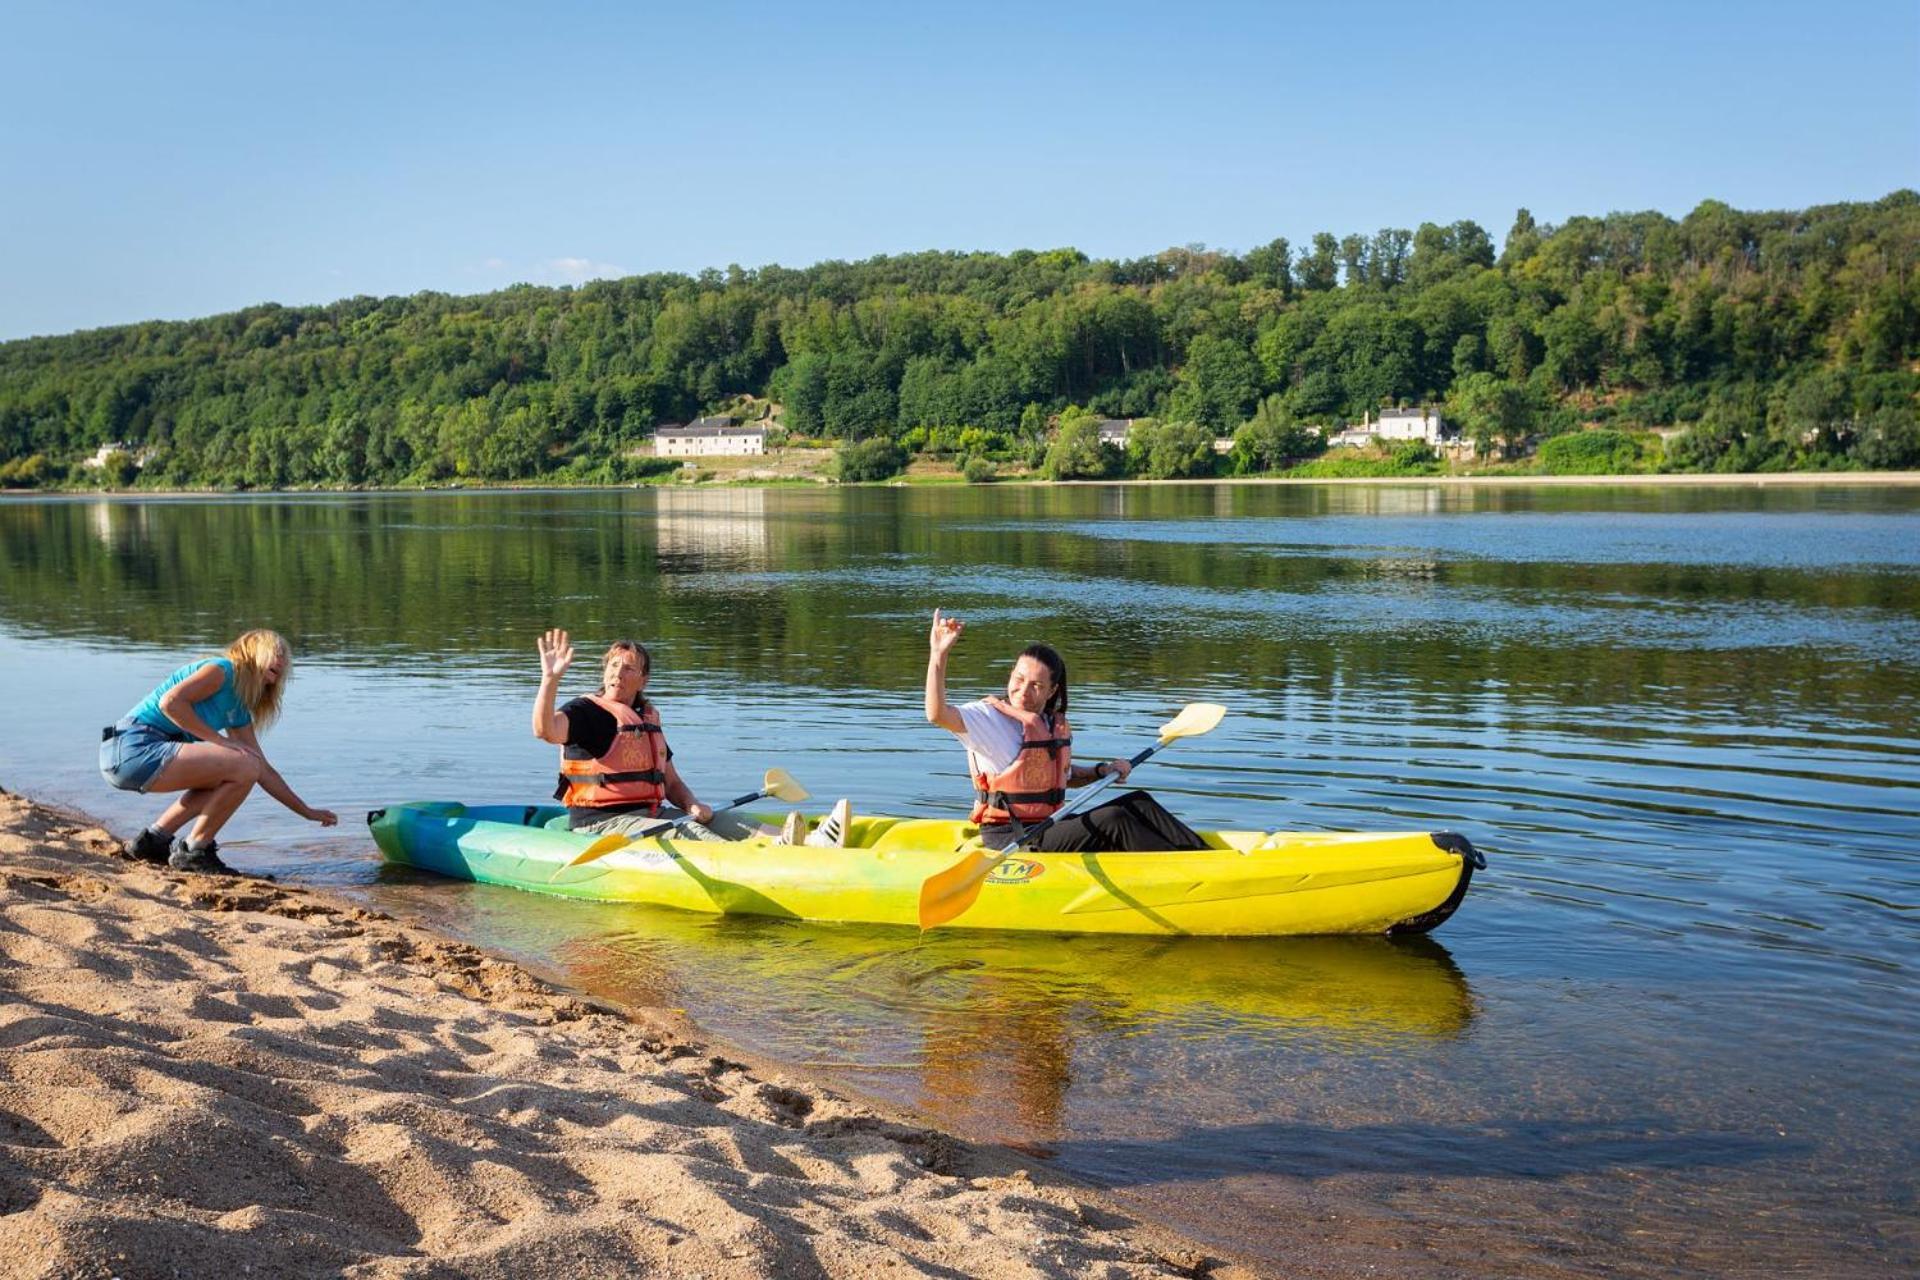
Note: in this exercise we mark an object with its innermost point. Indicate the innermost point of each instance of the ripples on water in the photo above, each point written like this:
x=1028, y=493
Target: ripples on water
x=1672, y=1029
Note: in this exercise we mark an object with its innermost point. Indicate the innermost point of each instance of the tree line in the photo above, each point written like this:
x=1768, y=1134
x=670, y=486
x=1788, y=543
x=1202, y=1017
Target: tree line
x=1749, y=340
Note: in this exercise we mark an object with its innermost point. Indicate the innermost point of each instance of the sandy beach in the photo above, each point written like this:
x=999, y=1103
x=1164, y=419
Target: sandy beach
x=231, y=1077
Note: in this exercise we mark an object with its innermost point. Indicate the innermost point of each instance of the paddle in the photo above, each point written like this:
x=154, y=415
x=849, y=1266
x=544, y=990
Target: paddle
x=778, y=783
x=946, y=894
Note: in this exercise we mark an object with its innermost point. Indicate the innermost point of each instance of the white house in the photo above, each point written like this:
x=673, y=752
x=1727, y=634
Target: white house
x=1394, y=427
x=1114, y=431
x=100, y=455
x=1410, y=424
x=709, y=438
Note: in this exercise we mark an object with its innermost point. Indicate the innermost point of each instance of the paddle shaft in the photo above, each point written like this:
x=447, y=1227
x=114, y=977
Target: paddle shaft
x=1034, y=832
x=748, y=798
x=735, y=803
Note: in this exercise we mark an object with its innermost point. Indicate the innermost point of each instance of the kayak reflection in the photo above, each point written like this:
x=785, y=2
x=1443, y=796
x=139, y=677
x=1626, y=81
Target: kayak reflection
x=990, y=1033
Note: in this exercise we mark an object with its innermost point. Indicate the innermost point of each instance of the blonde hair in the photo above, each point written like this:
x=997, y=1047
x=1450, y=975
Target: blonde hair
x=250, y=655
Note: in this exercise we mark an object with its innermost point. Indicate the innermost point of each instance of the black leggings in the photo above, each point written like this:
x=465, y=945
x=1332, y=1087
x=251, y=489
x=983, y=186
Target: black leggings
x=1132, y=822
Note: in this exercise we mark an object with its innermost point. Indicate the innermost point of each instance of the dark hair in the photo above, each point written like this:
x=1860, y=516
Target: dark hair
x=1047, y=656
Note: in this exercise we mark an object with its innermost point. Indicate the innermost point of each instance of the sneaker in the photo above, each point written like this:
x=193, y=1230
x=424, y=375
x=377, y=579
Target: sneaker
x=832, y=831
x=203, y=858
x=794, y=831
x=151, y=845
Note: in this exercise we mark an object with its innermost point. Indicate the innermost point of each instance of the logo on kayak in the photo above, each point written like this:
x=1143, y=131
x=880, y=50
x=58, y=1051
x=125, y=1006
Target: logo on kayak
x=1016, y=871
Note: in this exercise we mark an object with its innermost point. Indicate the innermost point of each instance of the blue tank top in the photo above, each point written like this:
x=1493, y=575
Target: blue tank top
x=221, y=712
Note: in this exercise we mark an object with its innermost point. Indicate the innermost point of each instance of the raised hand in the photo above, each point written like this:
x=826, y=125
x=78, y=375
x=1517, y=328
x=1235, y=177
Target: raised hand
x=945, y=633
x=556, y=654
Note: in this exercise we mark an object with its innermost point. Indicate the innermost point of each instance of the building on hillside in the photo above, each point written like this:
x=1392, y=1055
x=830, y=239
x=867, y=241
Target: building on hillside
x=100, y=455
x=1411, y=424
x=1114, y=431
x=709, y=438
x=1395, y=426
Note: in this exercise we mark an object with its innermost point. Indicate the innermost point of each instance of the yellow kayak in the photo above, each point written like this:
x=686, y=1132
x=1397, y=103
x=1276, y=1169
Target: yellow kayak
x=1245, y=884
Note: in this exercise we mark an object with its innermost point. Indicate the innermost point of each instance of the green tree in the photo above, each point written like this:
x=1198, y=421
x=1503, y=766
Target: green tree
x=118, y=469
x=1319, y=268
x=1170, y=450
x=1272, y=439
x=1270, y=266
x=1076, y=452
x=1219, y=383
x=1492, y=412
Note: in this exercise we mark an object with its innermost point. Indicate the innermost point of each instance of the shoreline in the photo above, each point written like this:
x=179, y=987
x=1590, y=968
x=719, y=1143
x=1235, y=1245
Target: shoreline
x=1743, y=480
x=202, y=1074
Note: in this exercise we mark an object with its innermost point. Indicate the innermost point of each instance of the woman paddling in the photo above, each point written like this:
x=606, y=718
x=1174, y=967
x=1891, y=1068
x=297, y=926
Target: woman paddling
x=1020, y=756
x=173, y=741
x=616, y=770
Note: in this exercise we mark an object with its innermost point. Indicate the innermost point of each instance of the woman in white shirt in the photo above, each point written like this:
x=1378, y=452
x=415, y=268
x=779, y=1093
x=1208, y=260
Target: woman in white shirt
x=1019, y=755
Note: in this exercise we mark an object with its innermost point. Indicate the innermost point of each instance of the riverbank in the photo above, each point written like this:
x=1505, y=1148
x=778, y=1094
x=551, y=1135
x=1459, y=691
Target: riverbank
x=228, y=1076
x=1754, y=479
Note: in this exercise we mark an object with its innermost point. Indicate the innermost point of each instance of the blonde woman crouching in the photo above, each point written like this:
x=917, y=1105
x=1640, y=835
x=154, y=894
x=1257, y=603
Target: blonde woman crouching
x=198, y=733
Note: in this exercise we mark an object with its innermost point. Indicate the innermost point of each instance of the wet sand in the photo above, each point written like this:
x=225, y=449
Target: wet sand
x=209, y=1076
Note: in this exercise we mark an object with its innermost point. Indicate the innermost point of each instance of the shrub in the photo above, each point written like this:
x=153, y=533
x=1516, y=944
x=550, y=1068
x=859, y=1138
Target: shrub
x=1889, y=438
x=979, y=470
x=1590, y=453
x=631, y=469
x=1411, y=455
x=876, y=459
x=30, y=472
x=1351, y=468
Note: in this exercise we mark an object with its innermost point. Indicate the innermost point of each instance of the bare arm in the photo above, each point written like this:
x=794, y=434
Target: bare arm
x=940, y=642
x=556, y=655
x=276, y=786
x=679, y=793
x=177, y=704
x=1080, y=775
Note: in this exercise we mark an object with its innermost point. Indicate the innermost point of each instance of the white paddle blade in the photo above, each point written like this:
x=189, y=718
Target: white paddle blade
x=780, y=785
x=1194, y=719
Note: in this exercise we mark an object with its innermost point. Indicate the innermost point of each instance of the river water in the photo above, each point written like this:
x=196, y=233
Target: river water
x=1672, y=1030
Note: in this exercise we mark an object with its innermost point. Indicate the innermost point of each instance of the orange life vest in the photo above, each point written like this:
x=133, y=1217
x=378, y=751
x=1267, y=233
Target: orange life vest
x=633, y=772
x=1034, y=786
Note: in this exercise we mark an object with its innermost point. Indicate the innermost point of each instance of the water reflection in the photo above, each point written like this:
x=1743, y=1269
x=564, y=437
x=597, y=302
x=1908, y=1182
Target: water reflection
x=711, y=530
x=992, y=1031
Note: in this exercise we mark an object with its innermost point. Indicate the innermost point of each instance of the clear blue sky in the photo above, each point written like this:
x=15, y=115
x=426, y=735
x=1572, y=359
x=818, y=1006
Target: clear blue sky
x=177, y=160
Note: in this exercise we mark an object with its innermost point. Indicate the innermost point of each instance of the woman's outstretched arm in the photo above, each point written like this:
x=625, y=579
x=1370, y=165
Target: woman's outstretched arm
x=940, y=642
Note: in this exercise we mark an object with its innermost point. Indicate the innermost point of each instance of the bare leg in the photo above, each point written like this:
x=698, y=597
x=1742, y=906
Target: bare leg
x=221, y=803
x=187, y=807
x=215, y=779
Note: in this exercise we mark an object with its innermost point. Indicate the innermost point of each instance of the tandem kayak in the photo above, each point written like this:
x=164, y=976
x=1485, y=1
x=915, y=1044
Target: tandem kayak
x=1245, y=884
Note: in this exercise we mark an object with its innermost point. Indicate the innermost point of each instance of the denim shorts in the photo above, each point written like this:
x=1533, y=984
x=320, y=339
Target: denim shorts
x=133, y=753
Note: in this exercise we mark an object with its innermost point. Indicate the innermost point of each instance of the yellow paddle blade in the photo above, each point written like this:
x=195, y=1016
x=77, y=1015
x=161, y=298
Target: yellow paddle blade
x=609, y=843
x=1194, y=719
x=780, y=785
x=946, y=894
